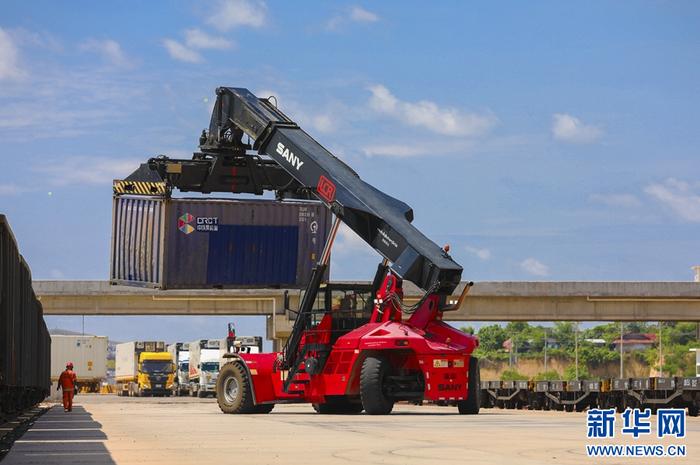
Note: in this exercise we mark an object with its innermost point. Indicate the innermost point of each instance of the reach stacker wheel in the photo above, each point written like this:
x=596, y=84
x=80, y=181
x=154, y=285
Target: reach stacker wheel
x=233, y=392
x=373, y=393
x=471, y=405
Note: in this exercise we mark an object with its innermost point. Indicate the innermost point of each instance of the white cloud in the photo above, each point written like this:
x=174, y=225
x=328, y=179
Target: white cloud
x=393, y=150
x=233, y=13
x=71, y=102
x=323, y=123
x=318, y=119
x=616, y=200
x=180, y=52
x=198, y=39
x=355, y=14
x=109, y=50
x=482, y=254
x=429, y=115
x=10, y=189
x=195, y=39
x=9, y=58
x=73, y=171
x=568, y=128
x=361, y=15
x=681, y=197
x=534, y=267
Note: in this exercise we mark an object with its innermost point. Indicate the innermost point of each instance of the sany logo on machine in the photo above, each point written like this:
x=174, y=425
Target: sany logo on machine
x=289, y=156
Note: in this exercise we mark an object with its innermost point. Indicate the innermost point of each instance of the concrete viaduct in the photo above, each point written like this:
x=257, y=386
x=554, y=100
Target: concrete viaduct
x=487, y=301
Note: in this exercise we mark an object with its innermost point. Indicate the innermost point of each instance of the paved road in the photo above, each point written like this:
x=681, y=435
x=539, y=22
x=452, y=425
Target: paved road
x=108, y=430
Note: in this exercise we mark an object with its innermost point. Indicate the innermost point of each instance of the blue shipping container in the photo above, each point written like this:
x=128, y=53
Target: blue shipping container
x=215, y=243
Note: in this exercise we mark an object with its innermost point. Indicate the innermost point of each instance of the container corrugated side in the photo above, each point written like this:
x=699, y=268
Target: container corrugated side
x=137, y=240
x=88, y=354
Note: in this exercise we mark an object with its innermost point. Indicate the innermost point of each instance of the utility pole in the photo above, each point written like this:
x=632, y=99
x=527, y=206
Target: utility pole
x=661, y=354
x=576, y=349
x=622, y=334
x=545, y=350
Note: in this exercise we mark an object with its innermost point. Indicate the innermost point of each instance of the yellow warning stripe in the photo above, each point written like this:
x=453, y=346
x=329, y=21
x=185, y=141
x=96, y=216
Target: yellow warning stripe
x=139, y=187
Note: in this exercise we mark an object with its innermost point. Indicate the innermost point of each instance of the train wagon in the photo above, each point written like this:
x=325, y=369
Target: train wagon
x=579, y=395
x=25, y=344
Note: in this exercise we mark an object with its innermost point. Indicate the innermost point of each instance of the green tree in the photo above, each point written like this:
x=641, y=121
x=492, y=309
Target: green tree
x=492, y=337
x=564, y=333
x=467, y=329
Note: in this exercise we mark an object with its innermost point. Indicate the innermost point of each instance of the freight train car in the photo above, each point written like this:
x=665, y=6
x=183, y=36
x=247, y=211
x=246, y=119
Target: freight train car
x=25, y=345
x=619, y=393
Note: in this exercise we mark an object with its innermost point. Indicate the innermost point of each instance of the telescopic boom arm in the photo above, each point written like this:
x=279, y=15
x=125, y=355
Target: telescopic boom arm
x=293, y=164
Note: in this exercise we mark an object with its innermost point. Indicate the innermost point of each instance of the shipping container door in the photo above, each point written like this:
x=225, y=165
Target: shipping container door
x=251, y=254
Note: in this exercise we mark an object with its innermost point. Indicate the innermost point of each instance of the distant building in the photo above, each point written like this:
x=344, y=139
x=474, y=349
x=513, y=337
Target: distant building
x=596, y=342
x=635, y=341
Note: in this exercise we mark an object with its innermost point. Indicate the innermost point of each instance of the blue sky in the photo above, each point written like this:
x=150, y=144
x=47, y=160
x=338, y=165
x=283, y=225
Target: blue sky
x=542, y=140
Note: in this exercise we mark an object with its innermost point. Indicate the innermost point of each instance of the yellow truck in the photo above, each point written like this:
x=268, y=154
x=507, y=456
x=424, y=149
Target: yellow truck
x=144, y=368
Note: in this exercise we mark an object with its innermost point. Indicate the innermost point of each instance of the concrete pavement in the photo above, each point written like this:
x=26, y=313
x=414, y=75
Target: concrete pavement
x=106, y=430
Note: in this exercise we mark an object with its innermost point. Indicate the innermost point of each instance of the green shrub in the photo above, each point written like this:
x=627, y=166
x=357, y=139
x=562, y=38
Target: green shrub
x=548, y=375
x=512, y=375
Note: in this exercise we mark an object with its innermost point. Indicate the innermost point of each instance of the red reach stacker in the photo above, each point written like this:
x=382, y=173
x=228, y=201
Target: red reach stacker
x=352, y=348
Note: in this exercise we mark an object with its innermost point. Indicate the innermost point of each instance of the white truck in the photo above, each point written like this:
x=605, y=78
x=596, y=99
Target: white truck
x=180, y=353
x=89, y=357
x=205, y=355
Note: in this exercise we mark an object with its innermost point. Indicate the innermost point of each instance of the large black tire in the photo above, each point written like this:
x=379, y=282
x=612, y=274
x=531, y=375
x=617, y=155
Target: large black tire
x=233, y=392
x=202, y=394
x=375, y=401
x=471, y=405
x=338, y=407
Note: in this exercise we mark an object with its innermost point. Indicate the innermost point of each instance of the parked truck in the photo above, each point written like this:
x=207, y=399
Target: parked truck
x=248, y=345
x=180, y=353
x=205, y=355
x=89, y=357
x=144, y=368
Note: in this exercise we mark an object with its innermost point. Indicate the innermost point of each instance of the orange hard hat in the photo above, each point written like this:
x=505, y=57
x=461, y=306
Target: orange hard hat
x=69, y=365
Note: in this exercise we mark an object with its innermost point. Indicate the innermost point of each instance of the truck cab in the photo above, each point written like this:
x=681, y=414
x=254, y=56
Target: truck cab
x=180, y=353
x=205, y=355
x=156, y=374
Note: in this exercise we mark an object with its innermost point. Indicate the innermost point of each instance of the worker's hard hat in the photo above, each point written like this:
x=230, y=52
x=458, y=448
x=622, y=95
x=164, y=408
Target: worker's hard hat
x=69, y=365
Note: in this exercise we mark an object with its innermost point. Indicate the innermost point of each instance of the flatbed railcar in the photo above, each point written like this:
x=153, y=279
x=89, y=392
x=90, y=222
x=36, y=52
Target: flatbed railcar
x=579, y=395
x=25, y=344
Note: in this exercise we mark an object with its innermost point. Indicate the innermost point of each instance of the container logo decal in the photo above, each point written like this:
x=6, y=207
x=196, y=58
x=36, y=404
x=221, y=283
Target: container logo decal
x=183, y=223
x=326, y=189
x=202, y=223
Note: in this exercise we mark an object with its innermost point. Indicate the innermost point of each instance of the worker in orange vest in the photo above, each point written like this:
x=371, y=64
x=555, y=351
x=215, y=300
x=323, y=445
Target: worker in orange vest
x=67, y=381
